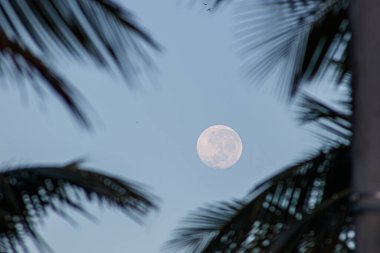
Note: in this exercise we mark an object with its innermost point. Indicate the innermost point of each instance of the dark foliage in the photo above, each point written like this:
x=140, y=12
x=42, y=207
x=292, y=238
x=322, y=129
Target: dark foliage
x=293, y=211
x=202, y=226
x=34, y=33
x=27, y=194
x=308, y=39
x=335, y=123
x=19, y=60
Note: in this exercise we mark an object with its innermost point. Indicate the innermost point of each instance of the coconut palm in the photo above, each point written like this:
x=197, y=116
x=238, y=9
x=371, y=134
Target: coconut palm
x=33, y=35
x=327, y=202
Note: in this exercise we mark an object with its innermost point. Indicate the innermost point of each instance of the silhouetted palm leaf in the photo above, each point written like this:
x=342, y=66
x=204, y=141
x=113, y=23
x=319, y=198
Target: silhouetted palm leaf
x=96, y=28
x=309, y=37
x=273, y=208
x=23, y=62
x=99, y=30
x=27, y=194
x=202, y=226
x=337, y=122
x=335, y=235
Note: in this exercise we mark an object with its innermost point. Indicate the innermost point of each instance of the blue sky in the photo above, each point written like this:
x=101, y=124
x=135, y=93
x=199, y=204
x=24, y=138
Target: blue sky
x=149, y=133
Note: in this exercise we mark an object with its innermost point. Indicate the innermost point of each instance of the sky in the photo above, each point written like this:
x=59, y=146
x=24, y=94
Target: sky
x=149, y=133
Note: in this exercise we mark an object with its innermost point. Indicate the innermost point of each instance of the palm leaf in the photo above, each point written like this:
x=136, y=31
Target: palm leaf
x=271, y=209
x=27, y=194
x=336, y=122
x=308, y=38
x=201, y=227
x=97, y=30
x=308, y=235
x=20, y=61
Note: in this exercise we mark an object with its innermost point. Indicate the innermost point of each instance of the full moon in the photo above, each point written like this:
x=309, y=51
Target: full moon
x=219, y=147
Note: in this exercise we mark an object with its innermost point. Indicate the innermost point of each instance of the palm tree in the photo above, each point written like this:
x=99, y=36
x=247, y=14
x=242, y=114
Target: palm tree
x=329, y=201
x=33, y=34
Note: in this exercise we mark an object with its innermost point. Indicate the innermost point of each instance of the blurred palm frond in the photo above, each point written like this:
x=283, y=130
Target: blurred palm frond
x=307, y=39
x=97, y=30
x=202, y=226
x=27, y=194
x=293, y=199
x=20, y=62
x=336, y=123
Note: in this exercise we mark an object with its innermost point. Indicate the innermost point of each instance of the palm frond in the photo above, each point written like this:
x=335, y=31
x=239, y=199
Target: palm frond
x=308, y=38
x=271, y=209
x=337, y=123
x=308, y=235
x=27, y=194
x=42, y=31
x=22, y=62
x=201, y=226
x=98, y=29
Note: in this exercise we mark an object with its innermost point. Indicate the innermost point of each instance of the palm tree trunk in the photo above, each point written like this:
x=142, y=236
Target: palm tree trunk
x=365, y=24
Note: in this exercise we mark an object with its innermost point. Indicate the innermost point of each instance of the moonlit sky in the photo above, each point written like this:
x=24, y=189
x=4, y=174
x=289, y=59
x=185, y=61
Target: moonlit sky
x=149, y=134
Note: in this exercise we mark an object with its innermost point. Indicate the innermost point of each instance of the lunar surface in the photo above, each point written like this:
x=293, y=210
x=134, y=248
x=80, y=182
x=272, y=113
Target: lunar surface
x=219, y=147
